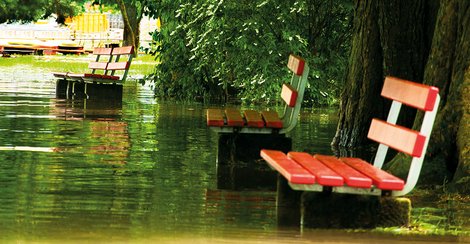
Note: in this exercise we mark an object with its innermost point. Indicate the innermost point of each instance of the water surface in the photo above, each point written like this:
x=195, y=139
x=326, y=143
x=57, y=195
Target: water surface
x=140, y=170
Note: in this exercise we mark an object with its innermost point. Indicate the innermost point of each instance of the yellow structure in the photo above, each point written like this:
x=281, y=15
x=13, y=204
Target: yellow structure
x=90, y=23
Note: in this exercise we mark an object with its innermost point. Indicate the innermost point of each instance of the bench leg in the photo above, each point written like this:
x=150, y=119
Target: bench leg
x=287, y=204
x=246, y=147
x=62, y=88
x=67, y=91
x=86, y=94
x=73, y=89
x=239, y=164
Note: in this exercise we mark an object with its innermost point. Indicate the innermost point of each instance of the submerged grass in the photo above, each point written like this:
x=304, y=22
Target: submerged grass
x=141, y=65
x=448, y=215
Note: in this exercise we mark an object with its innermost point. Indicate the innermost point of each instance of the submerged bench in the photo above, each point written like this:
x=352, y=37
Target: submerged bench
x=308, y=172
x=231, y=120
x=103, y=69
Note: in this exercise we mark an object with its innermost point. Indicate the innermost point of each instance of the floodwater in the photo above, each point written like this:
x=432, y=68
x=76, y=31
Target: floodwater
x=144, y=171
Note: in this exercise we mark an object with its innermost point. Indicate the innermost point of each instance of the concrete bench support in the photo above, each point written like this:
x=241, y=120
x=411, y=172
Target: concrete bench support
x=239, y=165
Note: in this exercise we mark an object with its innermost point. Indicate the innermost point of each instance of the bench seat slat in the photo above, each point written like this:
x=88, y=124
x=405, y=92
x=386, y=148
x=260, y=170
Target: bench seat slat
x=60, y=74
x=272, y=120
x=287, y=167
x=323, y=175
x=75, y=75
x=101, y=76
x=397, y=137
x=381, y=179
x=253, y=118
x=352, y=177
x=215, y=117
x=233, y=117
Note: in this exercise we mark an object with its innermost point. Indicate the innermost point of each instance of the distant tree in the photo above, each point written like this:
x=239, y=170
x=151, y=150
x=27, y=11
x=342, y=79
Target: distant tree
x=132, y=12
x=18, y=10
x=26, y=11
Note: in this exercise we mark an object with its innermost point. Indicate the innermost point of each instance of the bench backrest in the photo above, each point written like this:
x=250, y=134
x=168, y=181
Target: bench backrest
x=406, y=140
x=293, y=92
x=100, y=64
x=112, y=63
x=118, y=52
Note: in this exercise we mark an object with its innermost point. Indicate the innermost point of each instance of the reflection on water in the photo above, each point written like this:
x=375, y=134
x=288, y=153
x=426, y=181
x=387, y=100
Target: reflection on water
x=136, y=170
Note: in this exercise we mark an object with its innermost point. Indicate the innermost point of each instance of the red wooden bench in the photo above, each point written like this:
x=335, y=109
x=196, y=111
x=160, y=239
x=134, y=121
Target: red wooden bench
x=103, y=69
x=231, y=120
x=95, y=66
x=316, y=172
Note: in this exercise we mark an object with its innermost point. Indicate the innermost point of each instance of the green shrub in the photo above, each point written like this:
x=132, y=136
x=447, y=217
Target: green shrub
x=222, y=50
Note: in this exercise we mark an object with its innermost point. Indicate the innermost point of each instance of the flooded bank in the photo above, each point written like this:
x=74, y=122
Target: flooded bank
x=142, y=170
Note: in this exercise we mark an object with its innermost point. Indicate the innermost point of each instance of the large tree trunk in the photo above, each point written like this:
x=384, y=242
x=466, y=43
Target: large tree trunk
x=405, y=28
x=364, y=79
x=461, y=181
x=448, y=69
x=389, y=39
x=458, y=105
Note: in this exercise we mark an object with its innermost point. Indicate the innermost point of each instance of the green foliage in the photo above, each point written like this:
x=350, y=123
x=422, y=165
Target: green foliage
x=12, y=10
x=222, y=49
x=31, y=10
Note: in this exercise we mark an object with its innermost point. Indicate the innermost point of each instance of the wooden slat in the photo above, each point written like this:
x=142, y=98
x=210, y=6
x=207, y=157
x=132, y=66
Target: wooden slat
x=289, y=95
x=215, y=117
x=233, y=117
x=60, y=74
x=102, y=51
x=323, y=175
x=101, y=76
x=410, y=93
x=272, y=120
x=352, y=177
x=397, y=137
x=287, y=167
x=75, y=75
x=253, y=118
x=296, y=64
x=118, y=66
x=380, y=178
x=97, y=65
x=123, y=50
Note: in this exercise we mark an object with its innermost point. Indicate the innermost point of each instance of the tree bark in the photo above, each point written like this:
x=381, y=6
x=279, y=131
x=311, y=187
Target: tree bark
x=389, y=38
x=404, y=45
x=447, y=158
x=394, y=38
x=364, y=79
x=461, y=181
x=131, y=17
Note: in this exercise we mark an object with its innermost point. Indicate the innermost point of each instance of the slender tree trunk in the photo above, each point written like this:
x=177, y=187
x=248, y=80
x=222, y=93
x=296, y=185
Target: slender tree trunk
x=131, y=17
